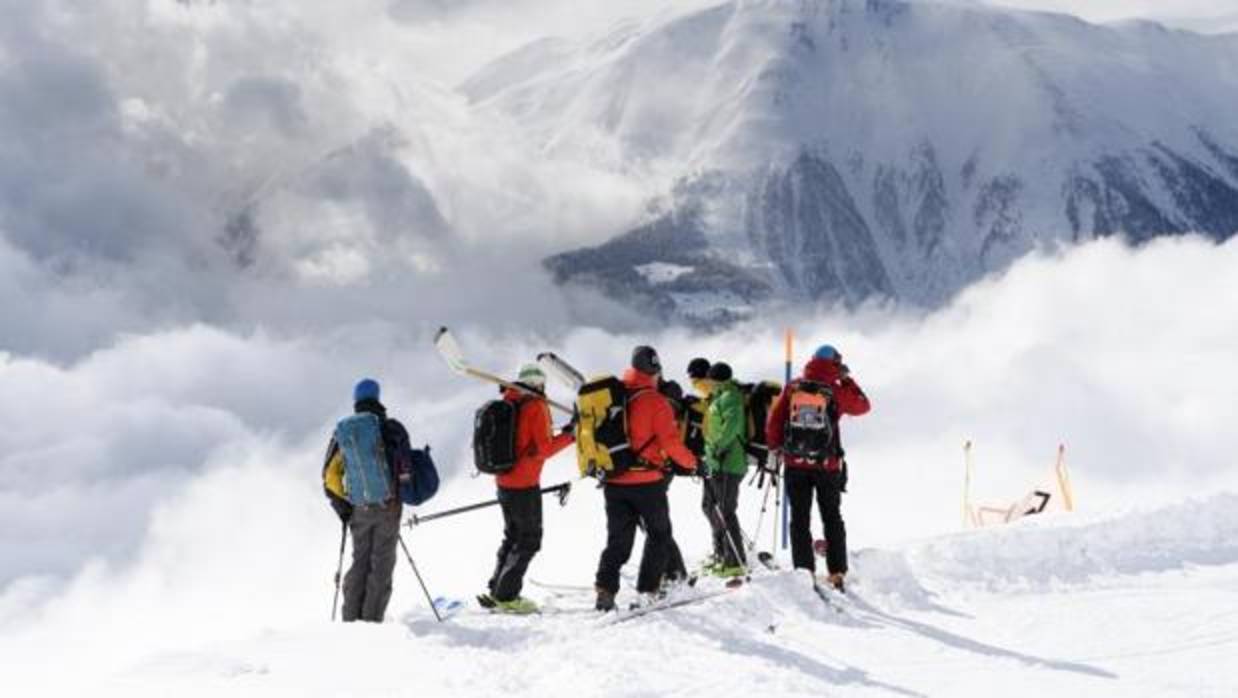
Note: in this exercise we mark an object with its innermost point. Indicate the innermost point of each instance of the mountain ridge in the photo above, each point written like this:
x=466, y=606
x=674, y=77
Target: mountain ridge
x=847, y=149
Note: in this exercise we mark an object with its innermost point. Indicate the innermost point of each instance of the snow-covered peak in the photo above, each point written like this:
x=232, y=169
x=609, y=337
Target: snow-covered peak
x=736, y=83
x=840, y=149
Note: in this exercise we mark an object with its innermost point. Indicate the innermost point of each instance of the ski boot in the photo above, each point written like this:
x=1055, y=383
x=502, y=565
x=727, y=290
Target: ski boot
x=518, y=606
x=605, y=600
x=836, y=580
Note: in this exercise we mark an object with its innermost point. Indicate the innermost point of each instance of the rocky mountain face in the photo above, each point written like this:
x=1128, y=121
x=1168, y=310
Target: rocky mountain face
x=838, y=150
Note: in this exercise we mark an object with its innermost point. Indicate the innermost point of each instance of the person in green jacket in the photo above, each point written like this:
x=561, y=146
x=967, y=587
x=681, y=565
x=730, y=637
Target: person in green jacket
x=725, y=467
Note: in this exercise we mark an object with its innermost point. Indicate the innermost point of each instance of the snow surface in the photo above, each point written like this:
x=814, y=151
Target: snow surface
x=1140, y=604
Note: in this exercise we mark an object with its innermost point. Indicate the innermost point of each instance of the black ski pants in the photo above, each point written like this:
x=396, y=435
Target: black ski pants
x=626, y=505
x=720, y=502
x=801, y=485
x=522, y=538
x=367, y=585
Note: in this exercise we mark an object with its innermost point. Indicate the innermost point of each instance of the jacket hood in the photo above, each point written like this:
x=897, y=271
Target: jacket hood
x=635, y=379
x=823, y=370
x=372, y=406
x=512, y=394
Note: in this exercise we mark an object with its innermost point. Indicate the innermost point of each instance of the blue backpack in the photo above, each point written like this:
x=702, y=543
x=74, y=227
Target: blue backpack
x=414, y=468
x=367, y=476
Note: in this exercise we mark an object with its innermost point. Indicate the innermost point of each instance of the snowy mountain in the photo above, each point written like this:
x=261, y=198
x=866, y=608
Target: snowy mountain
x=831, y=150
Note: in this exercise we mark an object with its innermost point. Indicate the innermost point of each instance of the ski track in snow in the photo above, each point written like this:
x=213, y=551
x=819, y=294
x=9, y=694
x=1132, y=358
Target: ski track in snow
x=1141, y=604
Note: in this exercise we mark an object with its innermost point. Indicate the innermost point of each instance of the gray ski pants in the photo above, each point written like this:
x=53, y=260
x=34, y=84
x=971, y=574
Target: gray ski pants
x=367, y=586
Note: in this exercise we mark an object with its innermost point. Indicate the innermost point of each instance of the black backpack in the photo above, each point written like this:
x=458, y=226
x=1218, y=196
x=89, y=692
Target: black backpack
x=811, y=417
x=759, y=399
x=494, y=436
x=693, y=425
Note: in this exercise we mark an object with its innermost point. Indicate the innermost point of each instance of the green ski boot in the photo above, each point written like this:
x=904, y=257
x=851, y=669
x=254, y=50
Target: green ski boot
x=518, y=606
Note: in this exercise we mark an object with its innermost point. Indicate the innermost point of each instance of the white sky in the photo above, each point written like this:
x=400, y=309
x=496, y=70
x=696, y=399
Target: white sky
x=1107, y=10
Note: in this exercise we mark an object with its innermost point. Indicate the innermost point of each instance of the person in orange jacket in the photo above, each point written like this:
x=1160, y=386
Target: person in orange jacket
x=803, y=427
x=519, y=490
x=639, y=495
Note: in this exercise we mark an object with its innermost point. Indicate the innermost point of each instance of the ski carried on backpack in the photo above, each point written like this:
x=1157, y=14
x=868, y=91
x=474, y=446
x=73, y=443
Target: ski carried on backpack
x=449, y=349
x=560, y=369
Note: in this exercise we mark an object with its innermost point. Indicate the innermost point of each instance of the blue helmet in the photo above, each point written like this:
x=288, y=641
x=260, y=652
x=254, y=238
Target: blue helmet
x=367, y=389
x=827, y=352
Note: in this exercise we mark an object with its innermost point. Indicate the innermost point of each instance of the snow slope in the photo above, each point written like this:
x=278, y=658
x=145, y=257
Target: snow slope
x=1140, y=604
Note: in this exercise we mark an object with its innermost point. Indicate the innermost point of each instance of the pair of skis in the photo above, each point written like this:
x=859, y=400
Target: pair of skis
x=672, y=600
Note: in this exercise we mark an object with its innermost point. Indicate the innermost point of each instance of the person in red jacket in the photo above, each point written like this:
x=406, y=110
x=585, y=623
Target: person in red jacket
x=803, y=427
x=639, y=495
x=519, y=490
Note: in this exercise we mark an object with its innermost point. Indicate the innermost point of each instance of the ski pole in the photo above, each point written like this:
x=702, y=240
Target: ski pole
x=562, y=489
x=419, y=580
x=338, y=569
x=756, y=534
x=775, y=482
x=786, y=524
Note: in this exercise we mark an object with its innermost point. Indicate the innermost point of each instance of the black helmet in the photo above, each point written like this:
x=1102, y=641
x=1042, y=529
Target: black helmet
x=698, y=368
x=645, y=360
x=720, y=372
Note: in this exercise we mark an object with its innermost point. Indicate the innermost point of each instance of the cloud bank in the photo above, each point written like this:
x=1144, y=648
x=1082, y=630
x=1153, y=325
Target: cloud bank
x=1121, y=354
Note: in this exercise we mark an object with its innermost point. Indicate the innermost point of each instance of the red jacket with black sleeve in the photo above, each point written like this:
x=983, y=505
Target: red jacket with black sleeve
x=653, y=430
x=534, y=442
x=849, y=399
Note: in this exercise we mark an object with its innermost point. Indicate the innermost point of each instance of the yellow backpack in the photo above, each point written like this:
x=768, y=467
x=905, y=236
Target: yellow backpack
x=333, y=475
x=603, y=448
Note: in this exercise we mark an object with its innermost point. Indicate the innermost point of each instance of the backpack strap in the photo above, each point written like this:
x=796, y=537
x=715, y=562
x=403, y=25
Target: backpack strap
x=652, y=466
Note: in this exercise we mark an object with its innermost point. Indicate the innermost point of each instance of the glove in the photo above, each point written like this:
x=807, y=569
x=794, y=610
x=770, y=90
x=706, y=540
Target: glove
x=708, y=466
x=342, y=509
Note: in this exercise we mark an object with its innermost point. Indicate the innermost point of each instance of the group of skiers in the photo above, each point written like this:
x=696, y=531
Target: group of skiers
x=716, y=433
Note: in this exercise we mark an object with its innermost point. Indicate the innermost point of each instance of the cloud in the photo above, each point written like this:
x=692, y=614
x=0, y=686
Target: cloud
x=266, y=163
x=1122, y=354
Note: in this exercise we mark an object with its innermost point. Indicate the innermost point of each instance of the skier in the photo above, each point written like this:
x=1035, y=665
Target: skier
x=361, y=486
x=803, y=426
x=519, y=492
x=695, y=406
x=726, y=464
x=639, y=495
